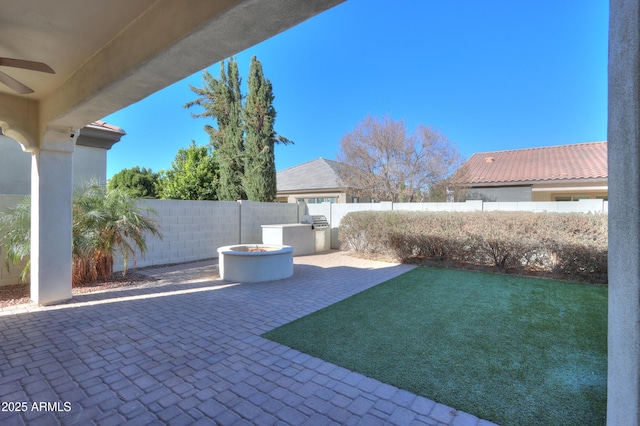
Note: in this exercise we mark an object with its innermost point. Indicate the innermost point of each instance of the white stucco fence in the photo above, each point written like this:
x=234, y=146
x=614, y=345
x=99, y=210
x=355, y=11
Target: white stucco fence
x=335, y=212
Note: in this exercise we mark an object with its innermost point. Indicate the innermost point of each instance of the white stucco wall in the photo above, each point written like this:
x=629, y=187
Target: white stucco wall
x=15, y=166
x=89, y=163
x=254, y=215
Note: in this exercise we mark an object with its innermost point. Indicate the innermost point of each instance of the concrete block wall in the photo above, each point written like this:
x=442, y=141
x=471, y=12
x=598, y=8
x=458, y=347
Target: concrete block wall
x=191, y=230
x=255, y=214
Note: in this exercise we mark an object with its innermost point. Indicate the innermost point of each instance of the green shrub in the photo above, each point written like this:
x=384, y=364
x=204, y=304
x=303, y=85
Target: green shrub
x=15, y=236
x=573, y=245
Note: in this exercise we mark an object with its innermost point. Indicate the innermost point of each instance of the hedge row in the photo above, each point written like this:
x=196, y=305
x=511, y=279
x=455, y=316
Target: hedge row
x=571, y=245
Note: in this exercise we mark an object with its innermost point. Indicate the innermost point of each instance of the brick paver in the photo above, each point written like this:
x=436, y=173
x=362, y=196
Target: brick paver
x=187, y=350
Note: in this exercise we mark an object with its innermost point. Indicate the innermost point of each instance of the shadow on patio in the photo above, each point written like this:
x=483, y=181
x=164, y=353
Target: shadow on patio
x=186, y=352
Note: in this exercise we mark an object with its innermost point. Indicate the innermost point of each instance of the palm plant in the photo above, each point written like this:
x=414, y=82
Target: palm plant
x=105, y=223
x=15, y=235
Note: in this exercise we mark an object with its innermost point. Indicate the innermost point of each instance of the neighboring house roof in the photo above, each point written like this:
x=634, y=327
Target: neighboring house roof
x=318, y=174
x=584, y=162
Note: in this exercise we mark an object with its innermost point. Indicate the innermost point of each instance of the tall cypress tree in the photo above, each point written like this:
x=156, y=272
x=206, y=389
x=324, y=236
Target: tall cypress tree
x=222, y=100
x=234, y=137
x=260, y=137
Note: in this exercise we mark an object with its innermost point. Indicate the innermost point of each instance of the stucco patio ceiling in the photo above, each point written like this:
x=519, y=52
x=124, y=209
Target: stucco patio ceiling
x=108, y=55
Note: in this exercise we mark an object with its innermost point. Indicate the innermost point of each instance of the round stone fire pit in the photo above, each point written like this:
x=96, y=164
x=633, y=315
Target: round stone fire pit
x=252, y=263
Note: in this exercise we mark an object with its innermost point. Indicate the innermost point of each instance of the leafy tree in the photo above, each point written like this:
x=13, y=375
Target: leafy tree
x=194, y=175
x=392, y=165
x=141, y=183
x=222, y=101
x=259, y=118
x=104, y=223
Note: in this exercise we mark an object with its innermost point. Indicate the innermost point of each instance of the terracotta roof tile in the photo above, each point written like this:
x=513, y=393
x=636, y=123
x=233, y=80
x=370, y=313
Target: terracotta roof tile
x=107, y=126
x=564, y=162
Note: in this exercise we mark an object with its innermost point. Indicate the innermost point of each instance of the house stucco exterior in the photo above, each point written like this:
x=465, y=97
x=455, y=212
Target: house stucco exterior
x=555, y=173
x=316, y=181
x=89, y=159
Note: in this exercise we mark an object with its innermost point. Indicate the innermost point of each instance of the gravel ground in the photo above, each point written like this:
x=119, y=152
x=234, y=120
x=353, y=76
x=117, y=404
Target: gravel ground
x=19, y=293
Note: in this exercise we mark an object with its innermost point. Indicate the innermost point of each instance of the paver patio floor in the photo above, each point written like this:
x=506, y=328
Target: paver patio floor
x=187, y=350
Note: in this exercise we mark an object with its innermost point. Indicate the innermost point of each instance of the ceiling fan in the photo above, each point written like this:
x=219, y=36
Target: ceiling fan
x=27, y=65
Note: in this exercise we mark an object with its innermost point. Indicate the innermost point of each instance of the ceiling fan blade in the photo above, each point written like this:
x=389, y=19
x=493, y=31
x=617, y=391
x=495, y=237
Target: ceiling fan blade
x=14, y=84
x=27, y=65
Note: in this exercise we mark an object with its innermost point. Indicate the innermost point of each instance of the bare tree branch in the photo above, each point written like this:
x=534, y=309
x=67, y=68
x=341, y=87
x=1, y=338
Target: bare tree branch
x=391, y=165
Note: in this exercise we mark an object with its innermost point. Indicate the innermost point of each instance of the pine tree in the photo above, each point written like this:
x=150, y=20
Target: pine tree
x=260, y=137
x=222, y=101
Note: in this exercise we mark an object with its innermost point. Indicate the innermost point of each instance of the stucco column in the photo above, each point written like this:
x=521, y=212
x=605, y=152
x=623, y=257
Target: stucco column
x=624, y=214
x=51, y=192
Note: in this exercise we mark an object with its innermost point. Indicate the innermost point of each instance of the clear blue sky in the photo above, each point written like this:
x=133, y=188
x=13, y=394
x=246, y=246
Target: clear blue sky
x=491, y=75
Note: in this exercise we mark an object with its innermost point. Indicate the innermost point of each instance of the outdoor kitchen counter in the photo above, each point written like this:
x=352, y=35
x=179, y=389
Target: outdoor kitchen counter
x=298, y=235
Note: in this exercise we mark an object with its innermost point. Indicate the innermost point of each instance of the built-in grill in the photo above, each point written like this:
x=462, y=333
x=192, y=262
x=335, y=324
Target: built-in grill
x=316, y=221
x=320, y=226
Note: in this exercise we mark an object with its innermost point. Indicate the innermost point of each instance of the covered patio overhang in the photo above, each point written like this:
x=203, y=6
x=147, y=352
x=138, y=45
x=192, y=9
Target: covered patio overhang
x=106, y=56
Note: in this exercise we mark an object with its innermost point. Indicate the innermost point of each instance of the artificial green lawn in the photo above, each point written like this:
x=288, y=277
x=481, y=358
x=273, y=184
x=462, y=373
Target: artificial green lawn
x=510, y=349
